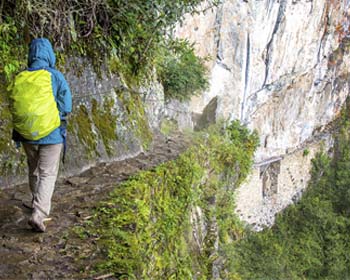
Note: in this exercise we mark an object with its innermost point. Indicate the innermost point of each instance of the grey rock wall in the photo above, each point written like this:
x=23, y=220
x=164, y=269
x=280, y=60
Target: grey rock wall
x=87, y=87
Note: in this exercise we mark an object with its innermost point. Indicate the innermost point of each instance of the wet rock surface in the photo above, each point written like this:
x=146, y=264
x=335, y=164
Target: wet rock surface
x=58, y=253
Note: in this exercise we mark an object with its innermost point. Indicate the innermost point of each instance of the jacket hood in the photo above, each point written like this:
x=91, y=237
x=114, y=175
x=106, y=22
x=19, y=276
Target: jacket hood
x=41, y=54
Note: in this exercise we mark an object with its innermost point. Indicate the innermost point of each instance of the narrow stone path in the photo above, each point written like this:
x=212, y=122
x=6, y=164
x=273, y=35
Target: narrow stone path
x=54, y=254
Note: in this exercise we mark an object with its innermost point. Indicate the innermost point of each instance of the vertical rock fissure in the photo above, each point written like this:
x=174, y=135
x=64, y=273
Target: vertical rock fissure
x=246, y=77
x=217, y=36
x=324, y=33
x=311, y=7
x=280, y=15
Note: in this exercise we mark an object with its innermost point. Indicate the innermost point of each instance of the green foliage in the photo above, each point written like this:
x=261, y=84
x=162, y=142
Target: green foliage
x=182, y=73
x=310, y=240
x=242, y=139
x=11, y=49
x=145, y=225
x=125, y=33
x=306, y=152
x=228, y=151
x=12, y=160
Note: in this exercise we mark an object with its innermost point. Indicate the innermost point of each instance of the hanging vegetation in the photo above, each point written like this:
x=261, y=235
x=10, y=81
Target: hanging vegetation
x=128, y=34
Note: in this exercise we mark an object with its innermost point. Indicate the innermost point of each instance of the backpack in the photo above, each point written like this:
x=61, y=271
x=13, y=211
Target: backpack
x=33, y=106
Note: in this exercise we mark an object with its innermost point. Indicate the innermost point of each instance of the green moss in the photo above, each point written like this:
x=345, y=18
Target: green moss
x=105, y=121
x=82, y=126
x=100, y=123
x=91, y=125
x=135, y=116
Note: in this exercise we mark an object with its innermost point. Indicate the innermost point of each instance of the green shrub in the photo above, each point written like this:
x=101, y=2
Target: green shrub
x=181, y=72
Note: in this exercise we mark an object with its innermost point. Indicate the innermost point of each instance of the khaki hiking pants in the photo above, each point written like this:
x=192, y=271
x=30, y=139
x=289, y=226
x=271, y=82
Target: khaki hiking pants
x=43, y=163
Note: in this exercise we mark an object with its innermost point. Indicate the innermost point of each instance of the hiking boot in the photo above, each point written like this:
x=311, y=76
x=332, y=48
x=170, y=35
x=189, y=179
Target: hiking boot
x=36, y=221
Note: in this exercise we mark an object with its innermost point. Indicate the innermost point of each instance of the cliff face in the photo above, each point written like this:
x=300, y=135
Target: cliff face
x=281, y=67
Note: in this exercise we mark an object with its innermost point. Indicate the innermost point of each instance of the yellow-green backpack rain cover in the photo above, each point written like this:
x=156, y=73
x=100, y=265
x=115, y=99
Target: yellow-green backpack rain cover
x=33, y=106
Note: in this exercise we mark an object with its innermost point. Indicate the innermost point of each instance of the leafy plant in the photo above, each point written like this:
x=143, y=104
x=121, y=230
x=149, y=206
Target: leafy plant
x=182, y=73
x=10, y=56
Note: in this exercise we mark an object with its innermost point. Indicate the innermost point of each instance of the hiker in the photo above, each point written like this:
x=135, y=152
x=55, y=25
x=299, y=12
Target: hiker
x=39, y=102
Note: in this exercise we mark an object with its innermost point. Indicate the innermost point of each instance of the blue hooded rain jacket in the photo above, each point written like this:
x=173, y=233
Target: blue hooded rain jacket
x=41, y=56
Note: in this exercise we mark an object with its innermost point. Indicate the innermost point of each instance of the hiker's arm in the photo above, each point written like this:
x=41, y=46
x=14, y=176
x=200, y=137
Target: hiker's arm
x=64, y=96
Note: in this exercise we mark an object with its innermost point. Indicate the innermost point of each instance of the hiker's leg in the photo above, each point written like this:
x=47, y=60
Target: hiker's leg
x=32, y=152
x=49, y=158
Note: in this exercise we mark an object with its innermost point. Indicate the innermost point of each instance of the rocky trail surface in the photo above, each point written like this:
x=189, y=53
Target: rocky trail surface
x=58, y=253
